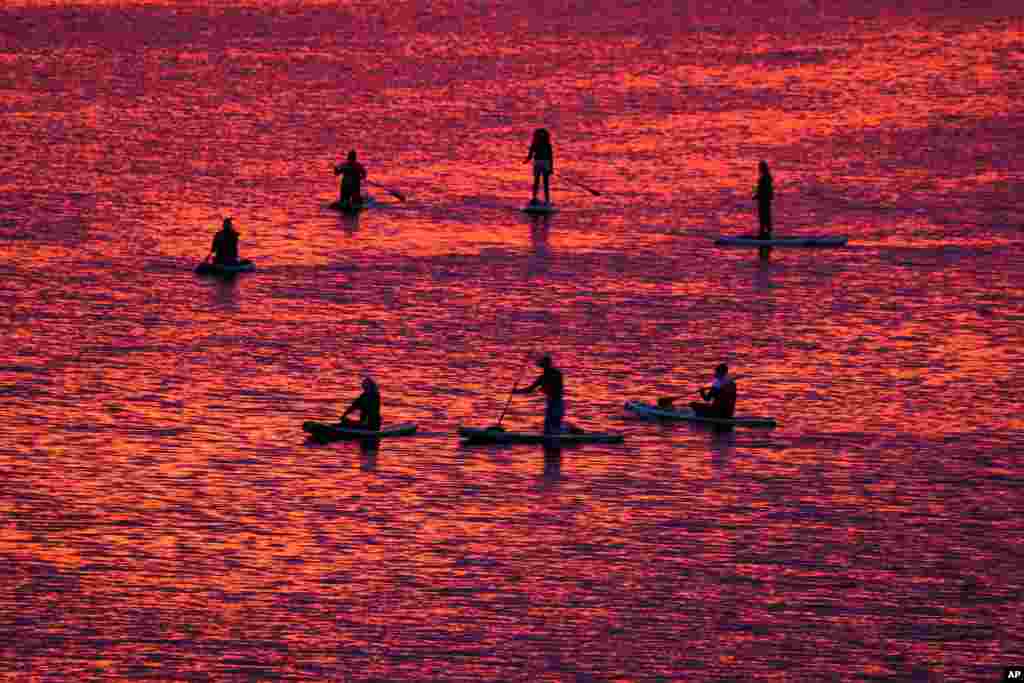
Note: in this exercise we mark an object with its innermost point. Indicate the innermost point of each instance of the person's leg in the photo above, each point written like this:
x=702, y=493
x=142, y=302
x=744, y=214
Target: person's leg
x=347, y=195
x=547, y=187
x=553, y=414
x=764, y=213
x=702, y=409
x=536, y=185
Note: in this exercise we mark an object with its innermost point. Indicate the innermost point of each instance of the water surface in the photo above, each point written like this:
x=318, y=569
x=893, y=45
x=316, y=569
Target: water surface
x=164, y=518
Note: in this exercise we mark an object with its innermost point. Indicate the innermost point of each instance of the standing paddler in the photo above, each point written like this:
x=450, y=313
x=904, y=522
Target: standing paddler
x=352, y=175
x=543, y=157
x=550, y=381
x=764, y=194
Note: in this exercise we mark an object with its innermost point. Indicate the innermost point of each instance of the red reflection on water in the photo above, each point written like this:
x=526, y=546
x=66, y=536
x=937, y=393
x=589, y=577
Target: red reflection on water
x=165, y=518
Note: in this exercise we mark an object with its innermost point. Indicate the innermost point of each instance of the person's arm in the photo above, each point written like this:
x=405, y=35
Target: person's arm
x=533, y=387
x=529, y=155
x=708, y=393
x=356, y=405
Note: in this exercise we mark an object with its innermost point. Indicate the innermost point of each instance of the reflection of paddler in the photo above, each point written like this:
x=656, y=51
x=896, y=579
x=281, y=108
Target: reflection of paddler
x=551, y=382
x=368, y=405
x=720, y=397
x=352, y=175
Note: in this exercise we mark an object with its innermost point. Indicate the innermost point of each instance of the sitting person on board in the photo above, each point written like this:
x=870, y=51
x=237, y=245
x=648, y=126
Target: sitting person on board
x=720, y=398
x=543, y=157
x=764, y=194
x=225, y=245
x=550, y=381
x=368, y=405
x=352, y=175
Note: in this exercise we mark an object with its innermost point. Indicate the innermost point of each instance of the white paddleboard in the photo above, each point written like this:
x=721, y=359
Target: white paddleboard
x=687, y=415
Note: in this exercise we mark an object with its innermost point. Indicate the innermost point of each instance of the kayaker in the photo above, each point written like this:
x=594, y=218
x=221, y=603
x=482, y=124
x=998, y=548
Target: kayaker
x=543, y=157
x=551, y=382
x=764, y=194
x=225, y=245
x=720, y=397
x=352, y=175
x=368, y=405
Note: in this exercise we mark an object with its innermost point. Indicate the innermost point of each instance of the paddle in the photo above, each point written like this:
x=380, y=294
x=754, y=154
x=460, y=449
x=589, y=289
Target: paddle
x=511, y=394
x=579, y=184
x=398, y=195
x=666, y=401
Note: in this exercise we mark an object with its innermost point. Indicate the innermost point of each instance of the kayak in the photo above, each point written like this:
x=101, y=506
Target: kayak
x=207, y=268
x=367, y=203
x=324, y=432
x=540, y=208
x=687, y=414
x=475, y=435
x=809, y=241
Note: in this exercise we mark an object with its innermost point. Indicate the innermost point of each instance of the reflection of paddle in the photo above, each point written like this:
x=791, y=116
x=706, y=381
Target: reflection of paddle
x=579, y=184
x=498, y=426
x=666, y=401
x=398, y=195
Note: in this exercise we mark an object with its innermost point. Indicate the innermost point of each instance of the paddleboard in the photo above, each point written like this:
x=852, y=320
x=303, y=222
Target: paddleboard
x=540, y=208
x=809, y=241
x=687, y=415
x=367, y=203
x=324, y=432
x=207, y=268
x=475, y=435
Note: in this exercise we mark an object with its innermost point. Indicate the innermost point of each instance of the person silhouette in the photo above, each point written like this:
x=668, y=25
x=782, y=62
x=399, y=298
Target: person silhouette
x=225, y=245
x=368, y=405
x=764, y=194
x=543, y=157
x=720, y=398
x=352, y=175
x=553, y=386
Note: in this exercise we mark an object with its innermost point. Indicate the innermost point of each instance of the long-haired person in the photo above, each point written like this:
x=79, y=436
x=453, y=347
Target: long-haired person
x=543, y=157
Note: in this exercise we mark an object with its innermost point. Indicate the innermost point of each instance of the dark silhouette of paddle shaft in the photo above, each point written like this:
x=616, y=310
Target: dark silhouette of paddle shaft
x=579, y=184
x=396, y=193
x=512, y=393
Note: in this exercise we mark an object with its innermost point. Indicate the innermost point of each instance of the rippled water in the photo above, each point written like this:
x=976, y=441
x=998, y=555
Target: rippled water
x=164, y=518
